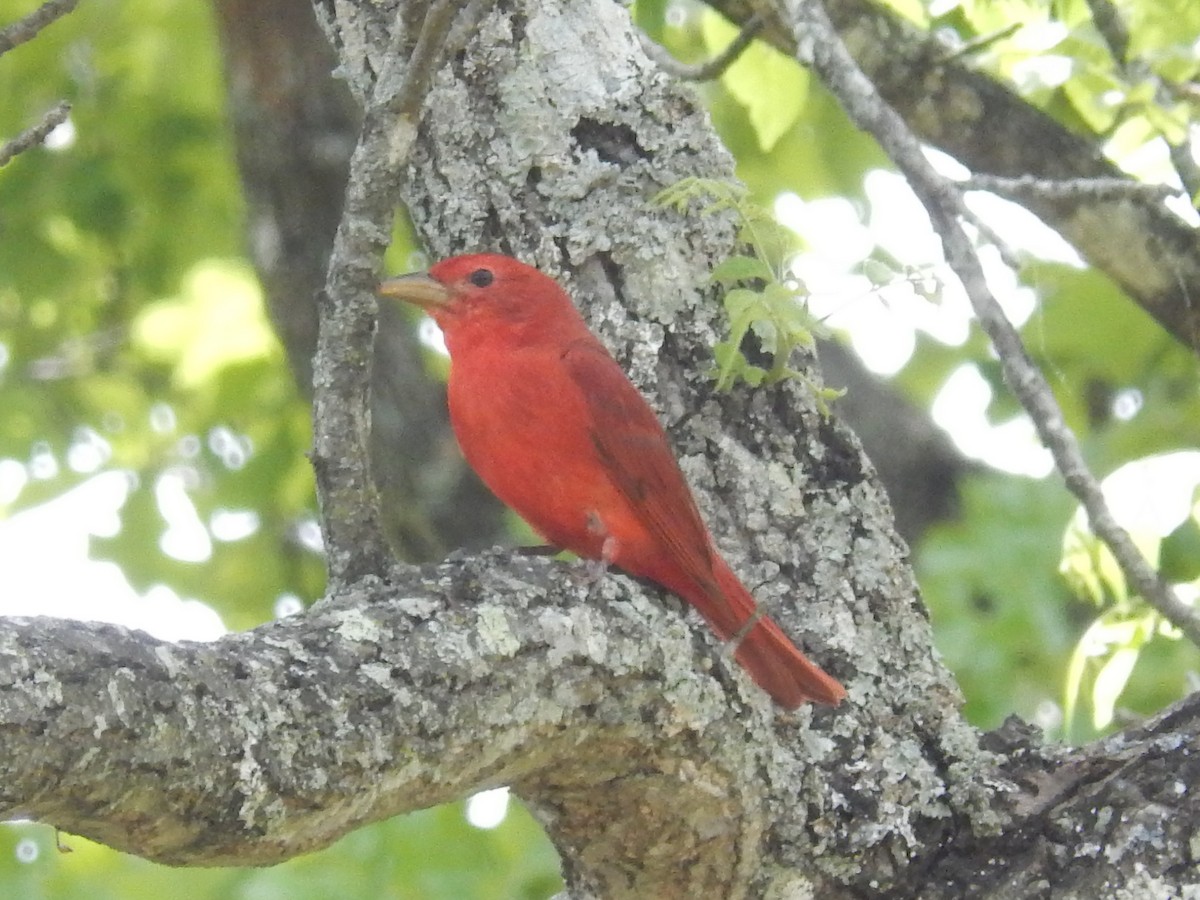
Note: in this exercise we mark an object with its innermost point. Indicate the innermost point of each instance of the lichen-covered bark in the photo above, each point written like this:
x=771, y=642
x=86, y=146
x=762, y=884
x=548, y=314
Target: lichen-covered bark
x=267, y=744
x=658, y=781
x=656, y=766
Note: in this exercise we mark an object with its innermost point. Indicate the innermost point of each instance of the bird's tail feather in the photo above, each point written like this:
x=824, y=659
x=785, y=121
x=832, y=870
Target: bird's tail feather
x=766, y=653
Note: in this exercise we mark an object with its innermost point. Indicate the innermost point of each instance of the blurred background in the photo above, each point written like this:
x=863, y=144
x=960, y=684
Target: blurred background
x=159, y=257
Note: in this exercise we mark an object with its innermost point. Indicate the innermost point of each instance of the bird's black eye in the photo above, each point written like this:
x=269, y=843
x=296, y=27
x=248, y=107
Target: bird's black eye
x=481, y=277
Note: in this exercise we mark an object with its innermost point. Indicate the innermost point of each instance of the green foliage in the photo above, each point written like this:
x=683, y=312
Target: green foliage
x=785, y=131
x=131, y=329
x=1002, y=619
x=1081, y=312
x=1142, y=366
x=1056, y=57
x=759, y=297
x=1126, y=627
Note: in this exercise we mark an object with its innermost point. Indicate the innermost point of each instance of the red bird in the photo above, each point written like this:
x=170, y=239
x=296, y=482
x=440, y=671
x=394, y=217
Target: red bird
x=551, y=424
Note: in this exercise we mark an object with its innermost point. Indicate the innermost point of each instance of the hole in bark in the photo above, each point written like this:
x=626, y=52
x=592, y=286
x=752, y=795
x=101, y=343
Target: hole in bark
x=612, y=142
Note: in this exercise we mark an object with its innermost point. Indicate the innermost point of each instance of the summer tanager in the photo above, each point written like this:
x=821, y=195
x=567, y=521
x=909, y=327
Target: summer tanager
x=551, y=424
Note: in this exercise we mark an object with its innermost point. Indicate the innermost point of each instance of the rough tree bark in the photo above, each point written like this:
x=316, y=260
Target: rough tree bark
x=654, y=764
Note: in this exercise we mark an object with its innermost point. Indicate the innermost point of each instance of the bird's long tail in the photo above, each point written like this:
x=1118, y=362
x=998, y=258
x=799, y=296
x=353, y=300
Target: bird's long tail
x=766, y=653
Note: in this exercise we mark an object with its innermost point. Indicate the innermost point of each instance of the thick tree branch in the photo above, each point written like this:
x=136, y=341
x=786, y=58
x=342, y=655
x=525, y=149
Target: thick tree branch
x=268, y=744
x=265, y=745
x=1115, y=819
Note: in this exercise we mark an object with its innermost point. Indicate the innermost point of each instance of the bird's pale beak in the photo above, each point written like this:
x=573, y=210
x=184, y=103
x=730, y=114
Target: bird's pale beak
x=418, y=289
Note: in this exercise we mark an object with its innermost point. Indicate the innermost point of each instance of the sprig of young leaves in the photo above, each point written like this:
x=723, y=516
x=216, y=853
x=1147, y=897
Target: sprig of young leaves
x=1104, y=658
x=758, y=296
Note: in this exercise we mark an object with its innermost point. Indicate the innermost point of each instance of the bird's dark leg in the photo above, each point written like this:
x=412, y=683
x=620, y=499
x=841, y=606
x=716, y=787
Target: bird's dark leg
x=538, y=550
x=735, y=641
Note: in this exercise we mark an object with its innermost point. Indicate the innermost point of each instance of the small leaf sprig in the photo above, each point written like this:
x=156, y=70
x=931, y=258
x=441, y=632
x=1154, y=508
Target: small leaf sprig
x=758, y=295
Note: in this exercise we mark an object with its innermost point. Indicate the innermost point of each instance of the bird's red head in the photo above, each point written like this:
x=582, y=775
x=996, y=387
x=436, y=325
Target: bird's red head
x=474, y=295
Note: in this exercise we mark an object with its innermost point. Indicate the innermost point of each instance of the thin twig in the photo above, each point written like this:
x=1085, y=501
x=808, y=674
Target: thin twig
x=1083, y=189
x=354, y=540
x=1107, y=19
x=26, y=29
x=821, y=47
x=713, y=68
x=33, y=136
x=980, y=43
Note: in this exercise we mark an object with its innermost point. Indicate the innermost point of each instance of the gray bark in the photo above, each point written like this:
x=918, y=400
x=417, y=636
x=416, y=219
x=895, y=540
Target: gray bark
x=654, y=764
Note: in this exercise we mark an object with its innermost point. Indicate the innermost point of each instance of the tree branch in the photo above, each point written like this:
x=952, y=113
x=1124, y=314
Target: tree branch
x=1109, y=820
x=341, y=411
x=1137, y=241
x=941, y=197
x=716, y=66
x=30, y=26
x=1096, y=189
x=487, y=671
x=35, y=134
x=657, y=780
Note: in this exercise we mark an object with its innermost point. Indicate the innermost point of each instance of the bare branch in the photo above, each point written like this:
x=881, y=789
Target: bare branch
x=980, y=43
x=716, y=66
x=350, y=512
x=34, y=135
x=1107, y=19
x=1078, y=188
x=27, y=29
x=822, y=48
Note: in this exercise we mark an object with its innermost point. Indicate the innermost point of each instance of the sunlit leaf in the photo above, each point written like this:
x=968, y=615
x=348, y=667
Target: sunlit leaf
x=216, y=321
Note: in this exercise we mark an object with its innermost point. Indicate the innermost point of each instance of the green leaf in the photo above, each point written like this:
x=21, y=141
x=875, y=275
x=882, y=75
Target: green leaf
x=1089, y=565
x=772, y=87
x=741, y=268
x=1110, y=682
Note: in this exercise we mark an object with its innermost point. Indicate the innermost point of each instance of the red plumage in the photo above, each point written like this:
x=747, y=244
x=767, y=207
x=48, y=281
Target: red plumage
x=548, y=420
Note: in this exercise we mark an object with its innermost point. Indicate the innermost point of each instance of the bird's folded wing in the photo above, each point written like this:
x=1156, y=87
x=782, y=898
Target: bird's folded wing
x=632, y=446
